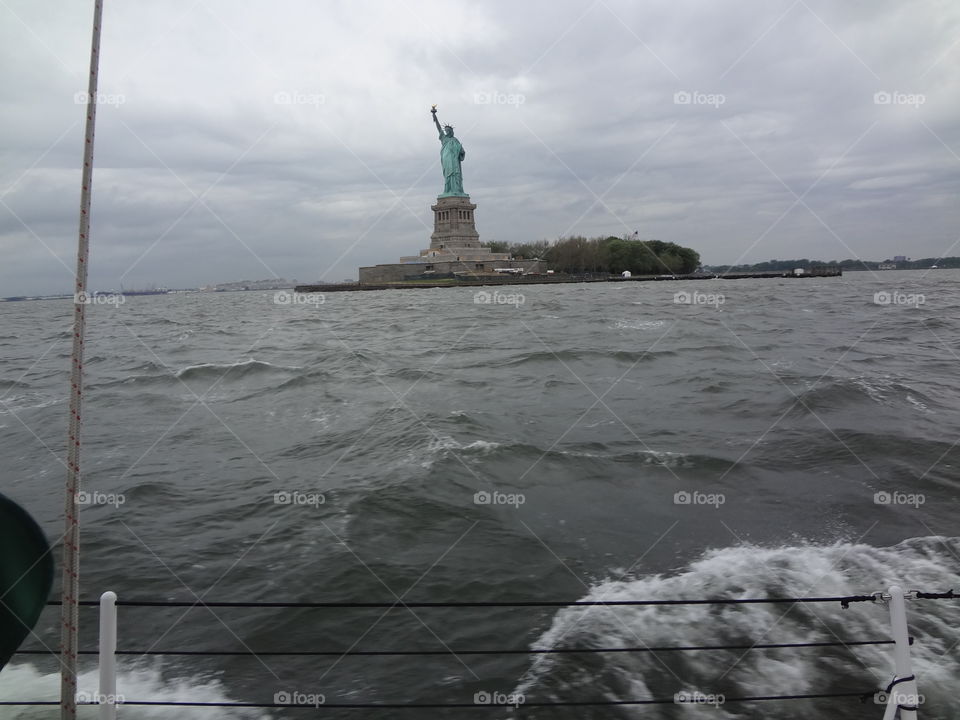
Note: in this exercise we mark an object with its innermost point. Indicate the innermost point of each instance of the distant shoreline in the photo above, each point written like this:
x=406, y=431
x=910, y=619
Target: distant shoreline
x=539, y=280
x=556, y=280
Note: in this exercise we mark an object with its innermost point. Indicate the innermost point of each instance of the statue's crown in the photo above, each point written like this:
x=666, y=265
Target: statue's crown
x=448, y=126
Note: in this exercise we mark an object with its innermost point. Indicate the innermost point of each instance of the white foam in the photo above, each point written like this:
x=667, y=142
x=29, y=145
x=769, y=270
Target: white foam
x=638, y=324
x=18, y=403
x=665, y=458
x=440, y=446
x=750, y=571
x=918, y=404
x=229, y=366
x=25, y=682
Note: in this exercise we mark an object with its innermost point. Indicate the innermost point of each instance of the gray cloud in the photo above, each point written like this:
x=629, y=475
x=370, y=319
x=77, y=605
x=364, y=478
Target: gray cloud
x=304, y=128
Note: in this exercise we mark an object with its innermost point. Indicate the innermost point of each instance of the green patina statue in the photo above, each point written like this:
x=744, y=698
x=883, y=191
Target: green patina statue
x=451, y=155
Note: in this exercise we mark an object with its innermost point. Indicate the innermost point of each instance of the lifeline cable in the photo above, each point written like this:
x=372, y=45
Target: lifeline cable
x=396, y=605
x=520, y=651
x=466, y=706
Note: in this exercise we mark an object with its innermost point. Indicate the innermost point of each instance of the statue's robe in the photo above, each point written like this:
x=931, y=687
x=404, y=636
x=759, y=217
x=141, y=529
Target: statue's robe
x=451, y=154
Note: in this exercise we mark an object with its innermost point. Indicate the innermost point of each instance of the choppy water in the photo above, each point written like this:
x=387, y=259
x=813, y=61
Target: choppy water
x=796, y=401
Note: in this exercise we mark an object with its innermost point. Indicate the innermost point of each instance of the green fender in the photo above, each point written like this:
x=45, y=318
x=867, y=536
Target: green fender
x=26, y=575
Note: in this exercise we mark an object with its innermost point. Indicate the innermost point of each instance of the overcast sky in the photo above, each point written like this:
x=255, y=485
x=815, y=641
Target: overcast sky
x=292, y=138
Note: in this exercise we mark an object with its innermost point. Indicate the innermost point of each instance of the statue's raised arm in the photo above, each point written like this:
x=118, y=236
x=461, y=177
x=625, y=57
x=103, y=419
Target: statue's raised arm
x=433, y=111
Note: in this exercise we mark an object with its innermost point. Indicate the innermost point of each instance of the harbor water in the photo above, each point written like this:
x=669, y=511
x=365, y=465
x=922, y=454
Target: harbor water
x=620, y=441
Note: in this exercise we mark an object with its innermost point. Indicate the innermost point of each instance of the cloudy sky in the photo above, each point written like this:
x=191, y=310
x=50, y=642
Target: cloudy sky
x=292, y=138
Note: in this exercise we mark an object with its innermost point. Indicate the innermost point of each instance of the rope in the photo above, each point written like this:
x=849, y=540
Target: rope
x=843, y=600
x=71, y=537
x=897, y=681
x=476, y=706
x=546, y=651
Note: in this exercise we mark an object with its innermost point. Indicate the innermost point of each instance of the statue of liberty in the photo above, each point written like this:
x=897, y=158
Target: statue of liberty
x=451, y=155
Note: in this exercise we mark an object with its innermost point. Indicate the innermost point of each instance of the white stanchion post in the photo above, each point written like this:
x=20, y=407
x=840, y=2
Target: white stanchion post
x=108, y=656
x=903, y=693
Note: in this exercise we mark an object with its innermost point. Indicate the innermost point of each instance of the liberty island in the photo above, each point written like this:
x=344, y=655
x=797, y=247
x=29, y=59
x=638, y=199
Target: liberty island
x=455, y=250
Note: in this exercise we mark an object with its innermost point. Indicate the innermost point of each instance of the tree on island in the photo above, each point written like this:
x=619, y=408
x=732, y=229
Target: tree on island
x=577, y=255
x=845, y=265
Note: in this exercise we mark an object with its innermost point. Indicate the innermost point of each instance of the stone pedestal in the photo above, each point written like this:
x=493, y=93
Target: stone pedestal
x=453, y=224
x=455, y=250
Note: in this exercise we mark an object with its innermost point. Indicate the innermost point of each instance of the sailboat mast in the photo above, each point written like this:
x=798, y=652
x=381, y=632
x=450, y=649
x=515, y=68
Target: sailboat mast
x=70, y=586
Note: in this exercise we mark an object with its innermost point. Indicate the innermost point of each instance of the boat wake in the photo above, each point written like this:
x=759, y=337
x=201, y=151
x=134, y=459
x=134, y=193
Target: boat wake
x=928, y=564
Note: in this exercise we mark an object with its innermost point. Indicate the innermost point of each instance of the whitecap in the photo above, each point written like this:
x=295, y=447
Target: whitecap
x=638, y=324
x=443, y=444
x=25, y=682
x=746, y=571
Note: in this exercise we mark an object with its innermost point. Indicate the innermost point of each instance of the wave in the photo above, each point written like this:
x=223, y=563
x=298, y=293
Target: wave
x=26, y=682
x=241, y=368
x=928, y=563
x=445, y=445
x=638, y=324
x=836, y=393
x=153, y=374
x=30, y=401
x=11, y=384
x=569, y=355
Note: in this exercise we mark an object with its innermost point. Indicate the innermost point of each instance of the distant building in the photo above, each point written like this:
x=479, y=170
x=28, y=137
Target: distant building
x=901, y=258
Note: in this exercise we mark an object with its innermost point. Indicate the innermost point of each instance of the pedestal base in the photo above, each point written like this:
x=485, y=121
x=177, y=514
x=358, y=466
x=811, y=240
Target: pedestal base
x=453, y=224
